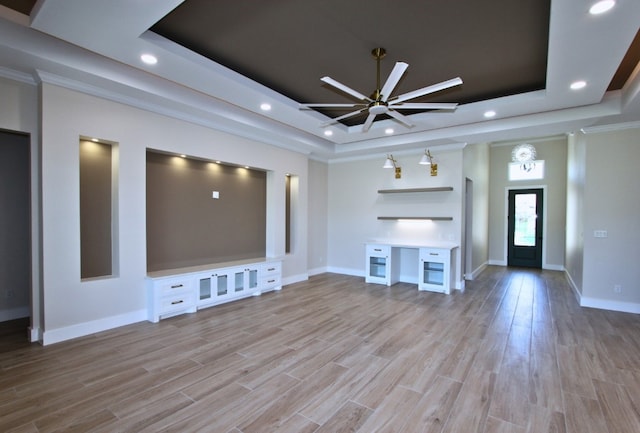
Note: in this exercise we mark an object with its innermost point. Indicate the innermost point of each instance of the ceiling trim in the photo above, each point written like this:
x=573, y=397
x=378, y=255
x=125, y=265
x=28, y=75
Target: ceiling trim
x=610, y=128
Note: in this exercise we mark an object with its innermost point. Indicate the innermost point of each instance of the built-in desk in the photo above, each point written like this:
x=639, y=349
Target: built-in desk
x=385, y=262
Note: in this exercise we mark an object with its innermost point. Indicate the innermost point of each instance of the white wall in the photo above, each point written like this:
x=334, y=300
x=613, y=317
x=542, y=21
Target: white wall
x=476, y=168
x=612, y=203
x=73, y=307
x=318, y=217
x=574, y=244
x=554, y=153
x=354, y=205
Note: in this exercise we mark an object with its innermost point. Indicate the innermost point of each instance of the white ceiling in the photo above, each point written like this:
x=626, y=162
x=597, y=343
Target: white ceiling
x=95, y=45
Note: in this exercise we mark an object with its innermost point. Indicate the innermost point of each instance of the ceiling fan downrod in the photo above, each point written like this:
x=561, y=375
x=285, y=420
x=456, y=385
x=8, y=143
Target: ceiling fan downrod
x=378, y=54
x=378, y=106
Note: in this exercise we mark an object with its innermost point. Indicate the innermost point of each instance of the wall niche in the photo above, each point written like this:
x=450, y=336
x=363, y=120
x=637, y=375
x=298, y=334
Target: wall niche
x=202, y=212
x=98, y=208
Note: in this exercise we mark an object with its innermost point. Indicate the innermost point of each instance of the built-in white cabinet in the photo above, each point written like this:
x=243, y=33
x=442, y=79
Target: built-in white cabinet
x=171, y=296
x=271, y=276
x=184, y=291
x=383, y=265
x=434, y=272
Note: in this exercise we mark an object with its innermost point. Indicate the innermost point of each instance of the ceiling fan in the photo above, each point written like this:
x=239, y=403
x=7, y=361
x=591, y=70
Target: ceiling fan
x=380, y=101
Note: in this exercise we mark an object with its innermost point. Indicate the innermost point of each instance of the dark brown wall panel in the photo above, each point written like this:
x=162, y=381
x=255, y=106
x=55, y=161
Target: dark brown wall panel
x=95, y=210
x=187, y=227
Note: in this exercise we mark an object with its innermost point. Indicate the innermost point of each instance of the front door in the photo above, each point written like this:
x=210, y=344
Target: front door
x=525, y=228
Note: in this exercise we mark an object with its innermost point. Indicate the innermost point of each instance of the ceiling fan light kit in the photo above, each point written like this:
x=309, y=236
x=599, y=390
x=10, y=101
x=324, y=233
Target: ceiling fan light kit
x=380, y=102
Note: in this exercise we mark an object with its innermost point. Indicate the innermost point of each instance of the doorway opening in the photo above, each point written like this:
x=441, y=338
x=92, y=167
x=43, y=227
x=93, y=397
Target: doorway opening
x=15, y=226
x=525, y=223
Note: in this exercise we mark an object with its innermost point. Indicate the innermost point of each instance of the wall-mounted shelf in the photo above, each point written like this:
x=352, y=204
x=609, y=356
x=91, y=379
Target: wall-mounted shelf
x=395, y=218
x=405, y=190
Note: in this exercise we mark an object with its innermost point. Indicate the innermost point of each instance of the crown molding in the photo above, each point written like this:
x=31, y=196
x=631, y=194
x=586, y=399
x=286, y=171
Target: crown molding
x=610, y=128
x=22, y=77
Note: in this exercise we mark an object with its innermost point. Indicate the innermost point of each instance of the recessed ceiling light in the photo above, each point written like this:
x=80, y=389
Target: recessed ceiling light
x=328, y=133
x=246, y=166
x=489, y=114
x=388, y=131
x=149, y=59
x=577, y=85
x=95, y=140
x=183, y=156
x=265, y=106
x=601, y=7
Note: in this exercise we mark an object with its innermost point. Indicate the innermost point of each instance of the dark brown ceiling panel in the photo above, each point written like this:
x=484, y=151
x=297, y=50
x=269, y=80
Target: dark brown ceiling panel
x=629, y=63
x=22, y=6
x=498, y=48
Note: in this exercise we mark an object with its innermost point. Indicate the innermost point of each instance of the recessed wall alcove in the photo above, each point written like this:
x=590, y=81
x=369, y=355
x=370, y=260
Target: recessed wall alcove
x=188, y=226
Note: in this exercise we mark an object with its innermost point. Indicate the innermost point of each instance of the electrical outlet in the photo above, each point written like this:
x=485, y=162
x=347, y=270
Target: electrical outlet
x=617, y=288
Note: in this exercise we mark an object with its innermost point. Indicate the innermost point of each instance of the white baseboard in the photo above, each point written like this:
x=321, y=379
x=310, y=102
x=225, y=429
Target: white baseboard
x=295, y=279
x=34, y=335
x=14, y=313
x=346, y=271
x=87, y=328
x=573, y=286
x=476, y=272
x=606, y=304
x=317, y=271
x=602, y=304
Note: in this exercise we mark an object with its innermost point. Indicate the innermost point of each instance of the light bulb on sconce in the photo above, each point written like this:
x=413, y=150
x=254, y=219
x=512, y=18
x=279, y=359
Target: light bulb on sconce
x=427, y=159
x=391, y=163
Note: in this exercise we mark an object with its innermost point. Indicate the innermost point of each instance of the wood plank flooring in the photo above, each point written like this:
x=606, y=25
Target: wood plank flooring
x=513, y=353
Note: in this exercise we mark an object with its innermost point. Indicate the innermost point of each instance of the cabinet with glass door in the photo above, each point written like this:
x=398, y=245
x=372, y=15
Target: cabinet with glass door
x=434, y=272
x=379, y=264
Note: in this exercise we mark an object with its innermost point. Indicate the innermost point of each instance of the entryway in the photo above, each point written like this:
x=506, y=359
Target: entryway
x=15, y=226
x=525, y=222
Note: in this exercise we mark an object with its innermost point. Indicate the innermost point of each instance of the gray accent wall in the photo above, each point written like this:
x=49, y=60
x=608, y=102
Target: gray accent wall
x=186, y=226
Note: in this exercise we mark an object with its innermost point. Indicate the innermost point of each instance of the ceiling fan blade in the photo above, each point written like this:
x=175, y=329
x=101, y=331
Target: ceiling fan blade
x=311, y=106
x=368, y=122
x=392, y=80
x=345, y=89
x=429, y=89
x=400, y=118
x=425, y=106
x=344, y=116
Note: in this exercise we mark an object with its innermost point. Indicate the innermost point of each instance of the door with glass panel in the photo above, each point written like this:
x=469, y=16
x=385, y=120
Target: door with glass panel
x=525, y=228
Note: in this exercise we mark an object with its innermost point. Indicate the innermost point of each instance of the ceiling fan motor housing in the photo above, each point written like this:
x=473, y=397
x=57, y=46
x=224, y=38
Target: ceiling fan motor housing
x=378, y=107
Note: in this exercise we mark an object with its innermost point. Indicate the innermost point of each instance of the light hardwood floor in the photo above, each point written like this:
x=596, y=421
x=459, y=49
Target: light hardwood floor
x=513, y=353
